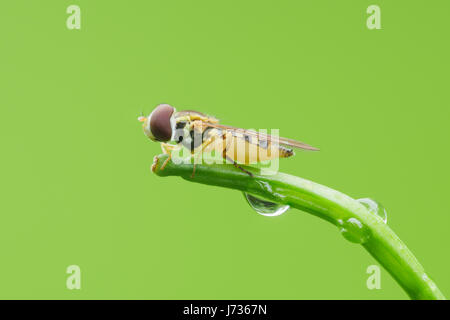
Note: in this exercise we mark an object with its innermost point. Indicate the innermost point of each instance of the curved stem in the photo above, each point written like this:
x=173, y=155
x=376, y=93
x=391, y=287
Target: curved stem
x=353, y=219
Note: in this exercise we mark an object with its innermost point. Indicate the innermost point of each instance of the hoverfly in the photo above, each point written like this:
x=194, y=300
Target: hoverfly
x=200, y=133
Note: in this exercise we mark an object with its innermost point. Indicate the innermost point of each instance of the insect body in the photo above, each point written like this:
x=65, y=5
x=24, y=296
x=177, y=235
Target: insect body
x=200, y=133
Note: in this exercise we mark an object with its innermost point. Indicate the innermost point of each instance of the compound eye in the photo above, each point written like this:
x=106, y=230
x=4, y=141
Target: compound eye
x=160, y=125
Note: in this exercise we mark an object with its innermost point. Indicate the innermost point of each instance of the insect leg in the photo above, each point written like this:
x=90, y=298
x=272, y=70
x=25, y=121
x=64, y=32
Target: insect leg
x=199, y=152
x=238, y=166
x=224, y=155
x=195, y=163
x=167, y=149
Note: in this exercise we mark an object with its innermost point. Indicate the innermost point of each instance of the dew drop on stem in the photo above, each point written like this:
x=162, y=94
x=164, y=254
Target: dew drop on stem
x=264, y=207
x=374, y=207
x=354, y=231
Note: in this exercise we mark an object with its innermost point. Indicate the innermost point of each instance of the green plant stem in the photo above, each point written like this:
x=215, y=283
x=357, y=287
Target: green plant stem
x=351, y=217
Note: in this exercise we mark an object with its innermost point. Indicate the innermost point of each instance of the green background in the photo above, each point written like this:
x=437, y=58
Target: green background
x=76, y=186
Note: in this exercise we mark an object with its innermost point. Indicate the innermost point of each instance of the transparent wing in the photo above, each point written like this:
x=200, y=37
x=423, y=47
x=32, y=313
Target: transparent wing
x=262, y=136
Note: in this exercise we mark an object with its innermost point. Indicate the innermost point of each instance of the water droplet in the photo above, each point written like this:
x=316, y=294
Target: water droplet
x=354, y=231
x=264, y=207
x=374, y=207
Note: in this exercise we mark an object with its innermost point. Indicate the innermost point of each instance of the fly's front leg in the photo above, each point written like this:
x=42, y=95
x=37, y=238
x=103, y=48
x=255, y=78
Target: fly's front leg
x=167, y=149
